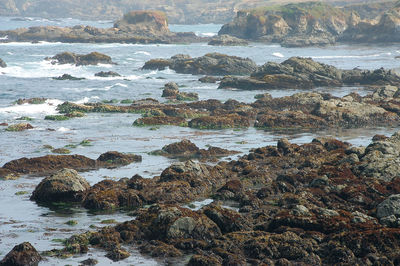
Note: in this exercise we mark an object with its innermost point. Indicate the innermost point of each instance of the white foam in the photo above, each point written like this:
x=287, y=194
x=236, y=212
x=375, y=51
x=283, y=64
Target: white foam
x=47, y=108
x=63, y=129
x=277, y=54
x=346, y=56
x=10, y=53
x=142, y=52
x=206, y=34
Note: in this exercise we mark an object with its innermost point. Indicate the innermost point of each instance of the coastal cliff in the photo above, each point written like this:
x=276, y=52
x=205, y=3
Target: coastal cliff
x=134, y=27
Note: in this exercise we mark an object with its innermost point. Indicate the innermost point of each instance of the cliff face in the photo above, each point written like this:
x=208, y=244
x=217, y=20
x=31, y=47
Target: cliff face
x=385, y=30
x=292, y=25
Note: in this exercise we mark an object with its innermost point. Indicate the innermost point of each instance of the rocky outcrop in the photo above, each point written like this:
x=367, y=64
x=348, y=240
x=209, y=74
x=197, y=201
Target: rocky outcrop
x=2, y=63
x=187, y=149
x=171, y=91
x=144, y=23
x=227, y=40
x=52, y=163
x=383, y=31
x=297, y=204
x=209, y=64
x=134, y=27
x=303, y=24
x=23, y=254
x=305, y=73
x=64, y=186
x=93, y=58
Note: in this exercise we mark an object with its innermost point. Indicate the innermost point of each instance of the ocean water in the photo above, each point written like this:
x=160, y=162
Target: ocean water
x=29, y=75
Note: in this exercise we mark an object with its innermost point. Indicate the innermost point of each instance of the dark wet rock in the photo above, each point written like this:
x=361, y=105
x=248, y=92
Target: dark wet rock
x=22, y=255
x=117, y=254
x=209, y=79
x=305, y=73
x=64, y=186
x=200, y=260
x=19, y=127
x=93, y=58
x=209, y=64
x=67, y=77
x=156, y=248
x=171, y=91
x=292, y=25
x=107, y=74
x=227, y=220
x=289, y=119
x=113, y=158
x=160, y=120
x=2, y=63
x=89, y=262
x=52, y=163
x=227, y=40
x=220, y=122
x=187, y=149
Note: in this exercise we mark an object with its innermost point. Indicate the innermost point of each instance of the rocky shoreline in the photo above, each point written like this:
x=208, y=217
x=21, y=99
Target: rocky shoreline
x=319, y=203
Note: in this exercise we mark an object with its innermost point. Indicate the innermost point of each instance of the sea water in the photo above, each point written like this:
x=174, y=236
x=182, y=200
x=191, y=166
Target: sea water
x=29, y=75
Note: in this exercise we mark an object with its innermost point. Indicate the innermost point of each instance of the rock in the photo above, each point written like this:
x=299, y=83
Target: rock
x=107, y=74
x=199, y=260
x=50, y=164
x=390, y=206
x=209, y=79
x=385, y=31
x=93, y=58
x=19, y=127
x=227, y=40
x=220, y=122
x=2, y=63
x=90, y=262
x=64, y=186
x=300, y=24
x=67, y=77
x=117, y=254
x=22, y=255
x=305, y=73
x=135, y=27
x=171, y=91
x=113, y=158
x=160, y=120
x=31, y=101
x=209, y=64
x=227, y=220
x=143, y=23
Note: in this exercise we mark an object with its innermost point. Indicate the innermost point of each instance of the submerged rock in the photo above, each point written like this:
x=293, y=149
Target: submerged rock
x=67, y=77
x=209, y=79
x=64, y=186
x=209, y=64
x=107, y=74
x=2, y=63
x=22, y=255
x=93, y=58
x=19, y=127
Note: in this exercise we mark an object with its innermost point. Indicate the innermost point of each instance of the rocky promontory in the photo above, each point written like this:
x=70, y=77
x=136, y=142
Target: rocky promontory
x=134, y=27
x=305, y=73
x=209, y=64
x=317, y=23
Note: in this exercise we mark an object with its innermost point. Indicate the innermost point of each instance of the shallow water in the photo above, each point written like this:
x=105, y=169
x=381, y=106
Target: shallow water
x=29, y=75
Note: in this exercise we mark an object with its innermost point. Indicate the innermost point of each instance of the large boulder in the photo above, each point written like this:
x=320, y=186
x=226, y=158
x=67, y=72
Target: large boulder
x=93, y=58
x=144, y=23
x=23, y=254
x=64, y=186
x=209, y=64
